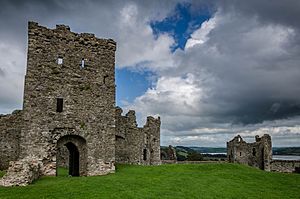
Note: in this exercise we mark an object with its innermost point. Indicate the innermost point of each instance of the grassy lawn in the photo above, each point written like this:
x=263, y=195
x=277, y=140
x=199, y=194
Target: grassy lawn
x=165, y=181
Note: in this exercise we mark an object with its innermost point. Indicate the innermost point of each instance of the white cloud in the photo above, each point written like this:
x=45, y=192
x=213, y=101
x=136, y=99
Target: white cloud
x=11, y=79
x=172, y=95
x=233, y=69
x=240, y=68
x=137, y=45
x=200, y=36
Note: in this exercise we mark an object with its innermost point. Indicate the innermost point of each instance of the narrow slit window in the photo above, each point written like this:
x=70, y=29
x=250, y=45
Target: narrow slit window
x=82, y=64
x=59, y=104
x=60, y=61
x=105, y=79
x=145, y=154
x=253, y=152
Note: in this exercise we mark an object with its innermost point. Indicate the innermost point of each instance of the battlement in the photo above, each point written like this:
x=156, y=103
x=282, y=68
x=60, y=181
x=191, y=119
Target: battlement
x=64, y=32
x=137, y=145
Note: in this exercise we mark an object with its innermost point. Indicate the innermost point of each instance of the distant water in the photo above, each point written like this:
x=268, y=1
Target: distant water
x=275, y=157
x=215, y=153
x=286, y=157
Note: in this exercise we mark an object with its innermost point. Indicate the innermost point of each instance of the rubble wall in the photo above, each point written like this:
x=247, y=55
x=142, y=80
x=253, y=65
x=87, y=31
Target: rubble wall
x=286, y=166
x=10, y=131
x=136, y=145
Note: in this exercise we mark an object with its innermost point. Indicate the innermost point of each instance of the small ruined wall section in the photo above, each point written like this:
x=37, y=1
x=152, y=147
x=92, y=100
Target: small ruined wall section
x=257, y=154
x=10, y=130
x=22, y=172
x=136, y=145
x=286, y=166
x=168, y=154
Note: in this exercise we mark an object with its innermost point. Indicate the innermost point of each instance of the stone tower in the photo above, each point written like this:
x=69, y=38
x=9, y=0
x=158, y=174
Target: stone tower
x=69, y=116
x=257, y=154
x=69, y=100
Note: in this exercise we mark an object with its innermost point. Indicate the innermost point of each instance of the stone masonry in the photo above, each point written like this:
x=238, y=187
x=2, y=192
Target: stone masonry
x=169, y=154
x=286, y=166
x=10, y=130
x=136, y=145
x=257, y=154
x=69, y=116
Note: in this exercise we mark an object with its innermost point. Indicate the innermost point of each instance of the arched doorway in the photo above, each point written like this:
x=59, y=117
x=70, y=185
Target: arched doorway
x=71, y=155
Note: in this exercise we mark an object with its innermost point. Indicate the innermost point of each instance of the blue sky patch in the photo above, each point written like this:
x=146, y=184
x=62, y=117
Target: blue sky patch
x=180, y=24
x=131, y=84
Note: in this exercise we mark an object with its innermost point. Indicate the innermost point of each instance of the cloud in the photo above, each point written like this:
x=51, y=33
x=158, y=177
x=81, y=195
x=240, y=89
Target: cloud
x=245, y=67
x=11, y=76
x=200, y=36
x=238, y=73
x=125, y=22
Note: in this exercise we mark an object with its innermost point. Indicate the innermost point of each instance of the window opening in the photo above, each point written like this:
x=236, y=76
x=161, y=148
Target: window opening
x=60, y=61
x=145, y=154
x=240, y=153
x=105, y=79
x=253, y=152
x=59, y=105
x=82, y=63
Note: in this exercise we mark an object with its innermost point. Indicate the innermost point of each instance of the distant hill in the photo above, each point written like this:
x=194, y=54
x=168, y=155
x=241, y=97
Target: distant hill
x=286, y=150
x=198, y=153
x=209, y=149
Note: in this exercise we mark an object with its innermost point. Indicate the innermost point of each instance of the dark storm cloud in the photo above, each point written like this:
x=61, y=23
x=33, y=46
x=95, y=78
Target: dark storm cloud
x=279, y=12
x=255, y=66
x=244, y=78
x=242, y=75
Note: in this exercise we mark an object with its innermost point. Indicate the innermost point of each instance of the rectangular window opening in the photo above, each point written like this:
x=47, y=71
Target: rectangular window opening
x=82, y=64
x=60, y=61
x=59, y=105
x=145, y=154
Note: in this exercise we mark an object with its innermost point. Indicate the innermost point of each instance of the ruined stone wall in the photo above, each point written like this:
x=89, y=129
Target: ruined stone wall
x=286, y=166
x=136, y=145
x=257, y=154
x=168, y=153
x=10, y=130
x=151, y=131
x=55, y=71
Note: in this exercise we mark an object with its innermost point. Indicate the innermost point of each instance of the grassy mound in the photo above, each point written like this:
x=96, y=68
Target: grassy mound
x=165, y=181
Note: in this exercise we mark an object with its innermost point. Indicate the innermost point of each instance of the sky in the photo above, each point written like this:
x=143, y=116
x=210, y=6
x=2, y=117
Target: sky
x=210, y=69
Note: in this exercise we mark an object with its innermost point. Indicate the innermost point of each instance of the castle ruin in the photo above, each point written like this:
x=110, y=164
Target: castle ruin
x=69, y=117
x=257, y=154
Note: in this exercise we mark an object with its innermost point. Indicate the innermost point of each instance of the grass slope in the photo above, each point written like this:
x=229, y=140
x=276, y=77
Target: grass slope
x=166, y=181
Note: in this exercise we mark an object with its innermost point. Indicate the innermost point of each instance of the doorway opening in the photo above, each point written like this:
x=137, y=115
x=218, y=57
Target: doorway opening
x=73, y=159
x=71, y=156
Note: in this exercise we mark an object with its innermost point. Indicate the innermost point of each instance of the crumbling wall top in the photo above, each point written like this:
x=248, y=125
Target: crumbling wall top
x=64, y=31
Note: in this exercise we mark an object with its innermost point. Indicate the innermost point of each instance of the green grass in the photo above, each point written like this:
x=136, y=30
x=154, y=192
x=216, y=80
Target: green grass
x=166, y=181
x=1, y=173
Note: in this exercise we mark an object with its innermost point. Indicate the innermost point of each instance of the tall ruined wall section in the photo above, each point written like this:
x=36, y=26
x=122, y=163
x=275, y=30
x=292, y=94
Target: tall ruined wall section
x=77, y=71
x=10, y=130
x=136, y=145
x=151, y=131
x=257, y=154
